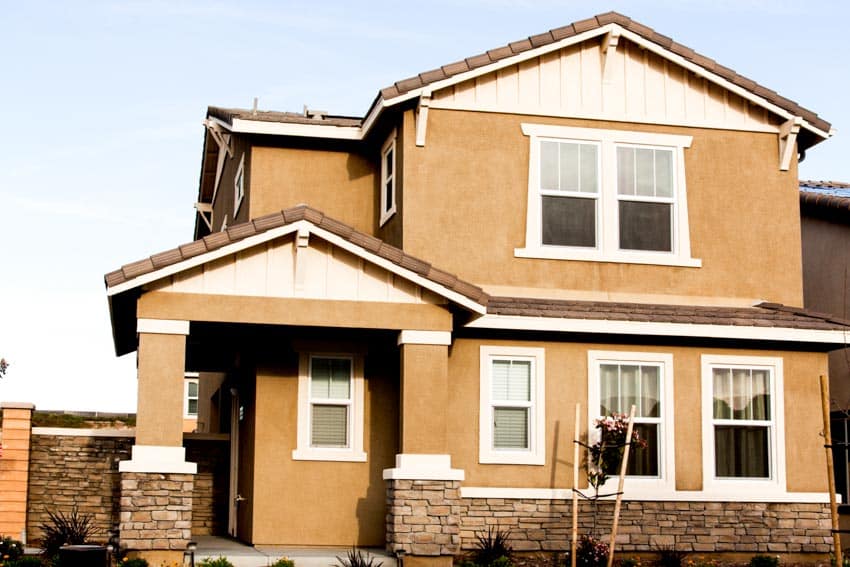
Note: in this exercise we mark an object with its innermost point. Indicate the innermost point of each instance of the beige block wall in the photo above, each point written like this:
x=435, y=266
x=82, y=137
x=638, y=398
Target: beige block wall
x=465, y=207
x=567, y=383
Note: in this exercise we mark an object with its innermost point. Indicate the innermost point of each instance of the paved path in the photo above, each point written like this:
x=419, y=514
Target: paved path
x=247, y=556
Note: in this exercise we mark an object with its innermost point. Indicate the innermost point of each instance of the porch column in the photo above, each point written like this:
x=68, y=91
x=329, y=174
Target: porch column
x=423, y=491
x=14, y=469
x=157, y=482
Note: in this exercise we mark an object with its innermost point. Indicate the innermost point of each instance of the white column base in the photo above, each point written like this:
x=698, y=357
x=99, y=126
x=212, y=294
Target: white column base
x=158, y=459
x=413, y=466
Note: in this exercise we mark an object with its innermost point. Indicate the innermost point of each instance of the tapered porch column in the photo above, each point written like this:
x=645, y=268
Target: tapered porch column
x=157, y=482
x=423, y=491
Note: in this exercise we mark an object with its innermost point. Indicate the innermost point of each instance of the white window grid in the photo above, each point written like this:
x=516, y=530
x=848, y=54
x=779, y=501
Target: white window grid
x=388, y=178
x=340, y=402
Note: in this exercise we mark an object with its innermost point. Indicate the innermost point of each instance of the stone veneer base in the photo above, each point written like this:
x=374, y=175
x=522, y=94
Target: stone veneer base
x=156, y=511
x=423, y=518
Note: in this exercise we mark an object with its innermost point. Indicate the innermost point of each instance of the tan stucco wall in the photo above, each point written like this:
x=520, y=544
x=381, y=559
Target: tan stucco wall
x=162, y=360
x=465, y=204
x=341, y=184
x=566, y=383
x=321, y=502
x=424, y=397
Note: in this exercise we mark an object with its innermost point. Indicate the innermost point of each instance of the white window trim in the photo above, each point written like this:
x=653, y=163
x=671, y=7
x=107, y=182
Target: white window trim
x=607, y=246
x=354, y=452
x=388, y=209
x=639, y=487
x=190, y=378
x=536, y=453
x=239, y=186
x=739, y=487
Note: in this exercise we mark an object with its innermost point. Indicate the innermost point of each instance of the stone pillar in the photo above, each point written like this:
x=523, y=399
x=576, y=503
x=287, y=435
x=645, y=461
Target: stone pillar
x=423, y=491
x=14, y=469
x=157, y=482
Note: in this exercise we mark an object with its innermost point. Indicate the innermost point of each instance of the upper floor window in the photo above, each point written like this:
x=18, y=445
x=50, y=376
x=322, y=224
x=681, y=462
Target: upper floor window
x=607, y=195
x=388, y=177
x=742, y=401
x=512, y=406
x=239, y=186
x=190, y=406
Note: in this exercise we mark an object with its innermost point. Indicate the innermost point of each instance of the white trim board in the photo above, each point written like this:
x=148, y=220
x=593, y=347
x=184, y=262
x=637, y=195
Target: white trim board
x=675, y=496
x=609, y=327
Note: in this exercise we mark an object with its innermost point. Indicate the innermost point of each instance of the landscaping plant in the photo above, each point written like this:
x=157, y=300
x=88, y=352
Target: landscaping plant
x=283, y=562
x=220, y=562
x=492, y=548
x=590, y=552
x=764, y=561
x=669, y=556
x=10, y=550
x=59, y=530
x=356, y=558
x=135, y=562
x=25, y=561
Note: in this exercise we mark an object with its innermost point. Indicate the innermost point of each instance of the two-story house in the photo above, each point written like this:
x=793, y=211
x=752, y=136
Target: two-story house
x=394, y=316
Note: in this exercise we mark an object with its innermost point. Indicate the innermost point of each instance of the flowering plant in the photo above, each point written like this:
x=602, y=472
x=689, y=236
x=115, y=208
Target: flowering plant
x=607, y=453
x=590, y=552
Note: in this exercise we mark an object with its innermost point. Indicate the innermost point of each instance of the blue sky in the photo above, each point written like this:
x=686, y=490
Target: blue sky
x=103, y=103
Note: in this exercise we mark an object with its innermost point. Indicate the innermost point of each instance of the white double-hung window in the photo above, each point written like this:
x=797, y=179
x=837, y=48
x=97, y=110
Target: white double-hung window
x=512, y=406
x=330, y=408
x=607, y=195
x=742, y=415
x=617, y=381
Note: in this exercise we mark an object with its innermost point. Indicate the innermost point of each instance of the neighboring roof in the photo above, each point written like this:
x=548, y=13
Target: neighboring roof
x=761, y=315
x=406, y=88
x=830, y=197
x=229, y=114
x=260, y=225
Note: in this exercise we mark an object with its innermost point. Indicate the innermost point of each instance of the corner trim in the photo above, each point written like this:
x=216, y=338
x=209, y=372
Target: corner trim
x=158, y=459
x=162, y=326
x=414, y=466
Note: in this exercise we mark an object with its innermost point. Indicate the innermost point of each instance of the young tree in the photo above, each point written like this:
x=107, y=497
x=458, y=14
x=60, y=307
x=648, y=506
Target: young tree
x=3, y=367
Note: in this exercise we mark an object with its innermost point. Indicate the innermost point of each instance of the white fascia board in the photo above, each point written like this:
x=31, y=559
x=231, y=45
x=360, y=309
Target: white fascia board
x=398, y=270
x=218, y=121
x=501, y=64
x=203, y=258
x=243, y=126
x=717, y=79
x=608, y=327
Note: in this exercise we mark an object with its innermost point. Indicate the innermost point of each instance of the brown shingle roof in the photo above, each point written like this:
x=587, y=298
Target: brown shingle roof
x=555, y=35
x=265, y=223
x=761, y=315
x=229, y=114
x=825, y=201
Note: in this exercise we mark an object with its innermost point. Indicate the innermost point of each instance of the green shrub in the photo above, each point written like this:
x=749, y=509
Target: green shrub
x=10, y=549
x=26, y=561
x=669, y=556
x=492, y=546
x=135, y=562
x=59, y=530
x=764, y=561
x=283, y=562
x=629, y=562
x=356, y=558
x=220, y=562
x=590, y=552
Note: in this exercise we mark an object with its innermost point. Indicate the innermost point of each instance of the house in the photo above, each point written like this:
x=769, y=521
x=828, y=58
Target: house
x=825, y=229
x=395, y=315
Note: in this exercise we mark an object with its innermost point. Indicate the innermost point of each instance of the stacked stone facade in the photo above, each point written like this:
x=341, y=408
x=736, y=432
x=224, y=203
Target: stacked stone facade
x=156, y=510
x=708, y=527
x=423, y=517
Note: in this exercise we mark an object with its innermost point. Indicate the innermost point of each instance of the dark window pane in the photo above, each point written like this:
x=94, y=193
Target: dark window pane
x=645, y=226
x=644, y=461
x=741, y=452
x=193, y=407
x=569, y=221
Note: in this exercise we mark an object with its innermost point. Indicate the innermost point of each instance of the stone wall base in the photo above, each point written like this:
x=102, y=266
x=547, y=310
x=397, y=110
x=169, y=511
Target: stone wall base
x=423, y=520
x=702, y=527
x=156, y=511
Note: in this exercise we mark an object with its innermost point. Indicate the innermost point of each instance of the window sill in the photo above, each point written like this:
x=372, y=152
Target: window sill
x=385, y=217
x=343, y=455
x=649, y=258
x=511, y=458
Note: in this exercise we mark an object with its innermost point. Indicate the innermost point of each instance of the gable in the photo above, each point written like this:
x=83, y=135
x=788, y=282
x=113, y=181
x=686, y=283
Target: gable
x=597, y=80
x=281, y=268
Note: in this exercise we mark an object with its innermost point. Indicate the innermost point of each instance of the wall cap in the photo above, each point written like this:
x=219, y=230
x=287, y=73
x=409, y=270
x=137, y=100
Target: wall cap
x=17, y=405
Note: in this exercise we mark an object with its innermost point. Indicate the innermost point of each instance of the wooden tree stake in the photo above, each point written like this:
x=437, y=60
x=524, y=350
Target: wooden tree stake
x=623, y=467
x=576, y=457
x=830, y=471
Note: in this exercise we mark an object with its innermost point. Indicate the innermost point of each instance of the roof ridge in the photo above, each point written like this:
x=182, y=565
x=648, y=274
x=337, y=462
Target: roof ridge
x=262, y=224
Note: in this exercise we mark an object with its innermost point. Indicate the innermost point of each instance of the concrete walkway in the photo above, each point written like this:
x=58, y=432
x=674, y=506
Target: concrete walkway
x=242, y=555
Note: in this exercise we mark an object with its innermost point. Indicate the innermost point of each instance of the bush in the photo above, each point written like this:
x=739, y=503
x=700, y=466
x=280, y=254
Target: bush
x=590, y=552
x=491, y=546
x=669, y=556
x=26, y=561
x=629, y=562
x=355, y=558
x=283, y=562
x=73, y=529
x=220, y=562
x=764, y=561
x=135, y=562
x=10, y=549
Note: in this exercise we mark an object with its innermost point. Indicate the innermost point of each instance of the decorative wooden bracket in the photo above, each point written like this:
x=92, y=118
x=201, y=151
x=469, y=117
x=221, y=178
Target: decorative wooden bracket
x=422, y=118
x=302, y=241
x=205, y=212
x=788, y=141
x=225, y=149
x=609, y=49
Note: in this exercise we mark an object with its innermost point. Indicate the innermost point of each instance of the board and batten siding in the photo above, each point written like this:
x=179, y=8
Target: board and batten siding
x=280, y=269
x=641, y=87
